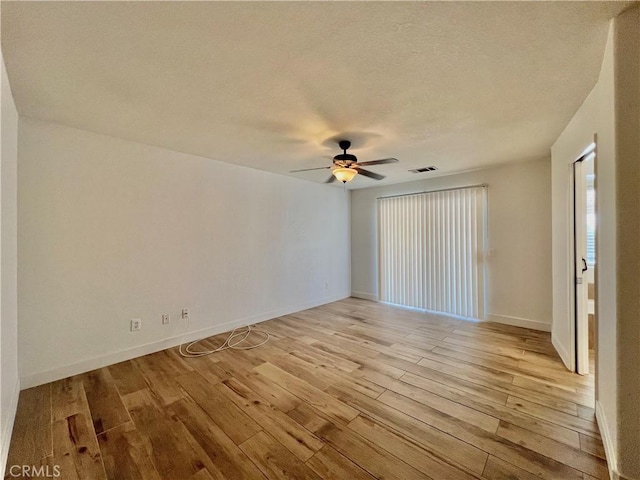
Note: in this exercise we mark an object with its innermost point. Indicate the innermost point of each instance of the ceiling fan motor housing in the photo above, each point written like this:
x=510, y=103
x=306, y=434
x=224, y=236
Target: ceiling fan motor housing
x=345, y=158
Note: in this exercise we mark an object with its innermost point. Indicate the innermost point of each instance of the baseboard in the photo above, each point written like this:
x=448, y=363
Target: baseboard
x=607, y=441
x=504, y=319
x=8, y=427
x=564, y=355
x=519, y=322
x=65, y=371
x=365, y=296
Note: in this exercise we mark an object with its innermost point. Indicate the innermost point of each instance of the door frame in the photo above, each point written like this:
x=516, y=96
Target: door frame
x=579, y=330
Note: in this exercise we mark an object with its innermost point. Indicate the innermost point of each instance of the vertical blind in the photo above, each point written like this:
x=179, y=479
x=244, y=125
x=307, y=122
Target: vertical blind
x=431, y=249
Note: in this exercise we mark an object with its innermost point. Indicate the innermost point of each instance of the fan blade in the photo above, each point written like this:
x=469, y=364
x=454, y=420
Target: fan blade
x=308, y=169
x=369, y=174
x=379, y=162
x=331, y=179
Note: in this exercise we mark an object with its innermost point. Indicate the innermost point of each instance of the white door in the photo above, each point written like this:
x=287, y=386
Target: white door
x=581, y=168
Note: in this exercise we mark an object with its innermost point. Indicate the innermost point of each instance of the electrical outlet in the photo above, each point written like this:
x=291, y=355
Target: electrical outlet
x=136, y=325
x=185, y=314
x=166, y=318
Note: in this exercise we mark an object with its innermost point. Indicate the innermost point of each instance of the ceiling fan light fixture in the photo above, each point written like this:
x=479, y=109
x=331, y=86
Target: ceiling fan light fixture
x=344, y=174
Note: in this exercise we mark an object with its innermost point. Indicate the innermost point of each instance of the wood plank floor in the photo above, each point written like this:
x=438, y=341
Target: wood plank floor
x=350, y=390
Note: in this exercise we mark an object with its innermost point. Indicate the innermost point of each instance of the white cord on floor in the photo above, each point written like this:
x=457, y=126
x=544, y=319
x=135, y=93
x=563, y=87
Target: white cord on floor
x=229, y=343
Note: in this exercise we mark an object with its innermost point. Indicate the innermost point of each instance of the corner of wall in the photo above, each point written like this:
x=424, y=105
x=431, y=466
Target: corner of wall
x=608, y=442
x=5, y=440
x=627, y=256
x=10, y=382
x=564, y=355
x=365, y=296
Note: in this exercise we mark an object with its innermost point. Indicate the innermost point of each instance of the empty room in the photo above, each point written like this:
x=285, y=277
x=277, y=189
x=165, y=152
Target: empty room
x=320, y=240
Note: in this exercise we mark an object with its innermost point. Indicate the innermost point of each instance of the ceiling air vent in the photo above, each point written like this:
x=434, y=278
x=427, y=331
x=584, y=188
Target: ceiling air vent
x=423, y=169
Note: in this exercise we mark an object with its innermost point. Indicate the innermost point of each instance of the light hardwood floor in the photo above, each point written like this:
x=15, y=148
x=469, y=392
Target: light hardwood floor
x=350, y=390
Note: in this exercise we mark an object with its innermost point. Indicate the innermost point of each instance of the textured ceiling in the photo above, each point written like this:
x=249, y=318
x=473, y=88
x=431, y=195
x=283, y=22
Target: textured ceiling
x=458, y=85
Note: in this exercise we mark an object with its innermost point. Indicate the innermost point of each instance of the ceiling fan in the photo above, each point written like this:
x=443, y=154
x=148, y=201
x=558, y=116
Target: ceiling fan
x=346, y=166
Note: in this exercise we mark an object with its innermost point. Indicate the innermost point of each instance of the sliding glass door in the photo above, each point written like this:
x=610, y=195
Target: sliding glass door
x=431, y=250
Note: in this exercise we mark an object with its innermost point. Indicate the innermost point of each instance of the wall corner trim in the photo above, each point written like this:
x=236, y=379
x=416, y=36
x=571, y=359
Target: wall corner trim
x=562, y=352
x=519, y=322
x=609, y=450
x=365, y=296
x=5, y=441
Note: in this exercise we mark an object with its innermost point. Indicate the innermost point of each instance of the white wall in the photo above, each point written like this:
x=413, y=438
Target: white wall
x=519, y=269
x=627, y=97
x=612, y=110
x=9, y=383
x=111, y=230
x=596, y=115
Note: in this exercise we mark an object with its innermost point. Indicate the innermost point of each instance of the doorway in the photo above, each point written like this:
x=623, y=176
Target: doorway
x=584, y=256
